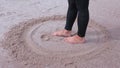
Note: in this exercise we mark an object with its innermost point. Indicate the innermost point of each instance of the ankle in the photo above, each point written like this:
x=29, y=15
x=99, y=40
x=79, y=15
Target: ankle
x=79, y=37
x=67, y=31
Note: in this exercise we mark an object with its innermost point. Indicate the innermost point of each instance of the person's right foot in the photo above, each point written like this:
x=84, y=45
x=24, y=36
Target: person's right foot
x=63, y=33
x=75, y=39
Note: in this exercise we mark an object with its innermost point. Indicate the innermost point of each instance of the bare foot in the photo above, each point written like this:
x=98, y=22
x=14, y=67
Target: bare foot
x=75, y=40
x=63, y=33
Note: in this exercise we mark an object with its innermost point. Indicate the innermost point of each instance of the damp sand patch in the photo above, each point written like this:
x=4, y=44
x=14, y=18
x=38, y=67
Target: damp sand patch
x=31, y=43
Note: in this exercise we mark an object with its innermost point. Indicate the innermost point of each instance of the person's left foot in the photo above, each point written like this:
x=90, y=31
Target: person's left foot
x=75, y=40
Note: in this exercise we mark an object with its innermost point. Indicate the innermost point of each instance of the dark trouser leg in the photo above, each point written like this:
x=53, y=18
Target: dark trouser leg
x=71, y=14
x=83, y=16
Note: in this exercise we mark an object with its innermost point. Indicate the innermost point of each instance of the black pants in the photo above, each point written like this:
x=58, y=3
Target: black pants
x=78, y=8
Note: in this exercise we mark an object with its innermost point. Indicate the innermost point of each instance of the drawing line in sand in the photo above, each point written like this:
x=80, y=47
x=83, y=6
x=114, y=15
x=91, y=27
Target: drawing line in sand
x=31, y=43
x=42, y=42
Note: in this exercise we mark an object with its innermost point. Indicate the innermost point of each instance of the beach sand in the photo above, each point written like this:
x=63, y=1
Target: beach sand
x=26, y=40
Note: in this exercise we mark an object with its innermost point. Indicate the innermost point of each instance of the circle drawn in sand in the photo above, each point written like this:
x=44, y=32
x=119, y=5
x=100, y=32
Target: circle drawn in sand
x=39, y=38
x=31, y=43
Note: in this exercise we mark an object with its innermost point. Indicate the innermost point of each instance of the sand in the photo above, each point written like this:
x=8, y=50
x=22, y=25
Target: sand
x=25, y=45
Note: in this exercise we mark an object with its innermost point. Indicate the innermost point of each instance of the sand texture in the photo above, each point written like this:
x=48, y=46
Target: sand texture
x=26, y=41
x=31, y=44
